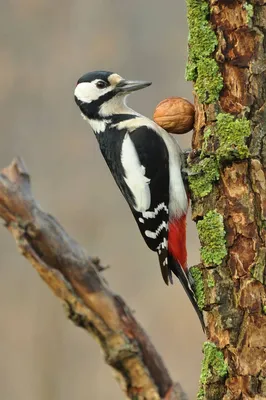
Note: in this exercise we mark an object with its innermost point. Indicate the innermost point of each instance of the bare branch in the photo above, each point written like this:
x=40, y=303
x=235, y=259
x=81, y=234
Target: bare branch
x=75, y=278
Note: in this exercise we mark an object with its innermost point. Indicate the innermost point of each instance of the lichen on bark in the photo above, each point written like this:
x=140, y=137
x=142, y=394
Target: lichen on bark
x=214, y=369
x=204, y=173
x=198, y=284
x=212, y=237
x=250, y=10
x=201, y=67
x=232, y=134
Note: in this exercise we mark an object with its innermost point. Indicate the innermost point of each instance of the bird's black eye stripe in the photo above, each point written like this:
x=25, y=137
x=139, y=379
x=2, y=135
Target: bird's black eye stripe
x=101, y=84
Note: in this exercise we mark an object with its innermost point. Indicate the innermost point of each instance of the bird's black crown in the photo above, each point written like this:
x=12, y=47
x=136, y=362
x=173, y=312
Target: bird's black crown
x=91, y=76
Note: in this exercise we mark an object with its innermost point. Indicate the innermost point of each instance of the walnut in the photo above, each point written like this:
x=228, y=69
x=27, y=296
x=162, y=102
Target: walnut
x=175, y=115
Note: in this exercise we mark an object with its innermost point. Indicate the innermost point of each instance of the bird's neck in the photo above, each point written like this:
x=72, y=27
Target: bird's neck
x=114, y=107
x=100, y=123
x=109, y=113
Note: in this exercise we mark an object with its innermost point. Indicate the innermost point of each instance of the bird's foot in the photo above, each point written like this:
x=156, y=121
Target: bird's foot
x=186, y=170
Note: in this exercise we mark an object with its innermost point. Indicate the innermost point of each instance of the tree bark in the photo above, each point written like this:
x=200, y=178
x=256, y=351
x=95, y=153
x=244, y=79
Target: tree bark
x=227, y=63
x=77, y=280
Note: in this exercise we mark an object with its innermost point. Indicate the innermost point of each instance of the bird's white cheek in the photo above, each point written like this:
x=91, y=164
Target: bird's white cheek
x=88, y=91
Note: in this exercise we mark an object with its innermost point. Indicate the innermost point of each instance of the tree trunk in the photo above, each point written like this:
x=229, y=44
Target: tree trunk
x=227, y=63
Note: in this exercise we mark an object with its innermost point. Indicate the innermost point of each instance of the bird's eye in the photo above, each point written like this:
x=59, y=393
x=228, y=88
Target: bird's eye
x=101, y=84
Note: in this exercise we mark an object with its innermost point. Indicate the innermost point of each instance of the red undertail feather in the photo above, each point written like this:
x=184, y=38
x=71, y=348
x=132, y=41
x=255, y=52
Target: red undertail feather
x=177, y=241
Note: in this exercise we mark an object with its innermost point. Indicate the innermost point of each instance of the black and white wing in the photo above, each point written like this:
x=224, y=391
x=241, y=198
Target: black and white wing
x=145, y=161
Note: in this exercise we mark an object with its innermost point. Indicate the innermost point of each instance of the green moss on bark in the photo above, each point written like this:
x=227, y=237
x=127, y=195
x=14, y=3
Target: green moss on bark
x=213, y=369
x=210, y=282
x=250, y=11
x=209, y=82
x=232, y=134
x=201, y=394
x=212, y=237
x=206, y=139
x=206, y=172
x=202, y=40
x=198, y=286
x=213, y=363
x=201, y=67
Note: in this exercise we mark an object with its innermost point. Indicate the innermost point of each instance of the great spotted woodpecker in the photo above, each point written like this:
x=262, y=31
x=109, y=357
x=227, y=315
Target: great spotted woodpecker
x=145, y=162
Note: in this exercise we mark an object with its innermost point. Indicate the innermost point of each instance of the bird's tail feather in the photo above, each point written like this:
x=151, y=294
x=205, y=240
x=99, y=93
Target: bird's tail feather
x=179, y=272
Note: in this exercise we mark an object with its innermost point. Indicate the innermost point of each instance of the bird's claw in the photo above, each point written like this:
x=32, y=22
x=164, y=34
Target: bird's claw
x=188, y=172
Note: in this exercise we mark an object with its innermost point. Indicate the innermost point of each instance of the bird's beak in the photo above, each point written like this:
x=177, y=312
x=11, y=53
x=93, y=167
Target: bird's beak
x=130, y=86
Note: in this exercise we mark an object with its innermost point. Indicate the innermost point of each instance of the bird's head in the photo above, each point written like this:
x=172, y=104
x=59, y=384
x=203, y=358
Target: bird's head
x=101, y=93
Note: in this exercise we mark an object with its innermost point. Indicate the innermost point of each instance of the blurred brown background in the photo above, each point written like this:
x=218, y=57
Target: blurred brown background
x=45, y=46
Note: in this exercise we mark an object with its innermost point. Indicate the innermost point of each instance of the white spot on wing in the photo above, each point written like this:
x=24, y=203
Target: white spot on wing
x=135, y=177
x=153, y=214
x=163, y=244
x=141, y=220
x=165, y=262
x=153, y=235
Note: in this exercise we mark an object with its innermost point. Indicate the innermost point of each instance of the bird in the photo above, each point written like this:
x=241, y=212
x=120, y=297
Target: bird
x=145, y=162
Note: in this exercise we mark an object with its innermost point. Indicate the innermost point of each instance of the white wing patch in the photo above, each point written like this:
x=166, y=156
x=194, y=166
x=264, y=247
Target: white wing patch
x=135, y=177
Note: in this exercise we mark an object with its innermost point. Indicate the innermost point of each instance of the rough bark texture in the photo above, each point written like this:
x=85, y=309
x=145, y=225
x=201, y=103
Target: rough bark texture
x=229, y=194
x=76, y=279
